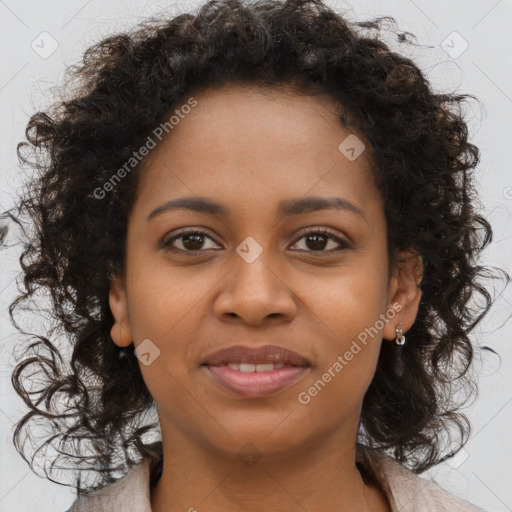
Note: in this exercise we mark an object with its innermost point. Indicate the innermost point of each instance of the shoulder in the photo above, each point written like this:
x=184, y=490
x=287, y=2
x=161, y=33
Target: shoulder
x=129, y=494
x=409, y=492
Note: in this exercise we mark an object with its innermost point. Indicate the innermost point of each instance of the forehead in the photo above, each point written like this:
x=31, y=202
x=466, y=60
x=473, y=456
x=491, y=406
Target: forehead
x=258, y=144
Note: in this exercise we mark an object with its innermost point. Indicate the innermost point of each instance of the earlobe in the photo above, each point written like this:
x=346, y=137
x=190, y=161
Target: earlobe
x=405, y=290
x=120, y=332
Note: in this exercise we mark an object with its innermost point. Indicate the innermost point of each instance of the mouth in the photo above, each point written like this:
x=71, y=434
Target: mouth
x=255, y=373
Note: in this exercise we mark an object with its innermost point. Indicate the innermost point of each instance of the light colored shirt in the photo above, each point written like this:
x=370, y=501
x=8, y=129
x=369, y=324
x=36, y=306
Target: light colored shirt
x=406, y=492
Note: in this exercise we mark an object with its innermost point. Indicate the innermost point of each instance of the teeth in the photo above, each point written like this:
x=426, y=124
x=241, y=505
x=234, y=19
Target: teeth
x=251, y=368
x=268, y=367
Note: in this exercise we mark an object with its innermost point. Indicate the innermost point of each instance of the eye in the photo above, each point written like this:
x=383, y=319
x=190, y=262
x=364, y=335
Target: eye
x=194, y=241
x=319, y=239
x=189, y=241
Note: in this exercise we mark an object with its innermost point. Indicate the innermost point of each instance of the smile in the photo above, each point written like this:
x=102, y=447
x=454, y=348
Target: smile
x=256, y=380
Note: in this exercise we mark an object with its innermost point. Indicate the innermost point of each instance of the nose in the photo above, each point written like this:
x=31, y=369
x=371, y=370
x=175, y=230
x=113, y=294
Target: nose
x=254, y=293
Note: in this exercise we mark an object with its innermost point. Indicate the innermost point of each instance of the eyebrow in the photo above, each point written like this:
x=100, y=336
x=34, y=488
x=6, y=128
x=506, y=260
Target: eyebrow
x=285, y=208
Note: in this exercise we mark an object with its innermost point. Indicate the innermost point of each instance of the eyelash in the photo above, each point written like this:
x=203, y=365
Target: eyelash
x=319, y=231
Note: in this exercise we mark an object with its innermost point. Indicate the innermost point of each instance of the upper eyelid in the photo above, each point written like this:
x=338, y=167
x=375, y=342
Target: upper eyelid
x=186, y=231
x=321, y=230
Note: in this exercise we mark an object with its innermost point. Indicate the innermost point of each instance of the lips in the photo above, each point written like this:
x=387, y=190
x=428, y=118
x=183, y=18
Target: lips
x=255, y=372
x=266, y=354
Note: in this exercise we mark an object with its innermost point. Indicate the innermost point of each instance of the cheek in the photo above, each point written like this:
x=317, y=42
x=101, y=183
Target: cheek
x=350, y=298
x=347, y=309
x=164, y=300
x=165, y=309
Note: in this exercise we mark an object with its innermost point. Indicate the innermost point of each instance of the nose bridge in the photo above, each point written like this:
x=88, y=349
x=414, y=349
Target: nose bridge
x=256, y=278
x=253, y=291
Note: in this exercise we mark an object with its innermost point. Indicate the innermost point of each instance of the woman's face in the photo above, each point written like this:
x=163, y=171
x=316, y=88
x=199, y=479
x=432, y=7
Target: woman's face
x=259, y=275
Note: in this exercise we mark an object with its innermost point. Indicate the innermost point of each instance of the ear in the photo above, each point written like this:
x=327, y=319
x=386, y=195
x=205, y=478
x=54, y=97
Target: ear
x=120, y=332
x=404, y=289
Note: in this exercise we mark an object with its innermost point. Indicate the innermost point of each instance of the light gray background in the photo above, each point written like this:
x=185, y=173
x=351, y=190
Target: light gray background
x=482, y=473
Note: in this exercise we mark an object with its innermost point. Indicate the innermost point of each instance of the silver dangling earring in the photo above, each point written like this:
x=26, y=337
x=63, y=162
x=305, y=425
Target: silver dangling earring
x=400, y=338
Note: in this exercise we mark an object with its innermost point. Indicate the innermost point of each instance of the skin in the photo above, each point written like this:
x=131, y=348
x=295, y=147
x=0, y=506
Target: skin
x=249, y=149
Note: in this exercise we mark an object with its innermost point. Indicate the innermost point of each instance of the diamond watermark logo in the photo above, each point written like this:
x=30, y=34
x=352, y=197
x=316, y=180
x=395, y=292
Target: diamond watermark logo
x=459, y=458
x=454, y=45
x=249, y=249
x=147, y=352
x=249, y=455
x=44, y=45
x=352, y=147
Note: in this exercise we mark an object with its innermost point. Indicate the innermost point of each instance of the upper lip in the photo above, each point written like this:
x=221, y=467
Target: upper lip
x=263, y=354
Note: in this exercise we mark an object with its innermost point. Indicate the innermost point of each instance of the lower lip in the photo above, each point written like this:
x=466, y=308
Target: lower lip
x=256, y=384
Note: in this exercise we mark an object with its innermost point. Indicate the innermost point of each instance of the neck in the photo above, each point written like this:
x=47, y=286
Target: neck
x=317, y=478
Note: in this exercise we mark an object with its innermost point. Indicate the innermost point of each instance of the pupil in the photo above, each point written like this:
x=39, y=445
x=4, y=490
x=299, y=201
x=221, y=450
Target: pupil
x=193, y=242
x=319, y=242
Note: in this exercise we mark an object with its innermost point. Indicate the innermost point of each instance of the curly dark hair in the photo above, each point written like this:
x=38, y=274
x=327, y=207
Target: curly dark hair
x=99, y=409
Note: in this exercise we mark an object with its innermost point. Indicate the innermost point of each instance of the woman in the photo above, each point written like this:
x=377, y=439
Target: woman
x=258, y=227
